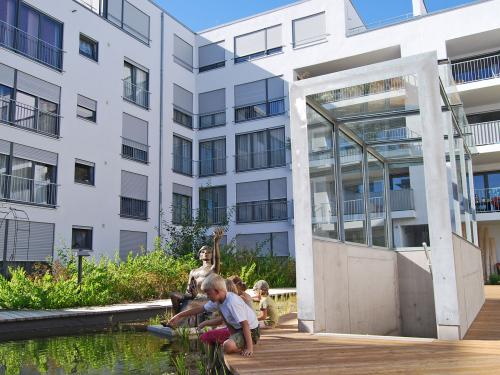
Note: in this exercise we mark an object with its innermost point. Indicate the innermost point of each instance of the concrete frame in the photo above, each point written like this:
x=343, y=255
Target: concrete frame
x=436, y=189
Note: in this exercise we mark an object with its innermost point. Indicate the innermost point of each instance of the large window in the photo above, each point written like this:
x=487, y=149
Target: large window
x=183, y=53
x=183, y=156
x=212, y=108
x=309, y=29
x=257, y=44
x=89, y=47
x=259, y=99
x=134, y=196
x=81, y=238
x=212, y=157
x=183, y=107
x=213, y=205
x=135, y=138
x=31, y=33
x=129, y=18
x=211, y=56
x=275, y=244
x=132, y=243
x=487, y=191
x=262, y=149
x=181, y=209
x=136, y=84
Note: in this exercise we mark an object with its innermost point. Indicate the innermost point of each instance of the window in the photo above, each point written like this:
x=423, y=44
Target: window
x=257, y=44
x=262, y=149
x=89, y=47
x=86, y=108
x=487, y=191
x=132, y=242
x=129, y=18
x=212, y=157
x=183, y=53
x=309, y=29
x=259, y=201
x=84, y=172
x=183, y=156
x=31, y=33
x=211, y=56
x=259, y=99
x=275, y=244
x=183, y=107
x=400, y=182
x=213, y=203
x=135, y=138
x=81, y=238
x=135, y=84
x=134, y=196
x=212, y=108
x=181, y=210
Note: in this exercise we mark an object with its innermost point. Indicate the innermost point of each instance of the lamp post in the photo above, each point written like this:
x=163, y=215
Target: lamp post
x=80, y=253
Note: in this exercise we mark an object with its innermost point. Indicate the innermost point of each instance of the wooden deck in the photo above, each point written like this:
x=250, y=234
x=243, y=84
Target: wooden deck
x=285, y=351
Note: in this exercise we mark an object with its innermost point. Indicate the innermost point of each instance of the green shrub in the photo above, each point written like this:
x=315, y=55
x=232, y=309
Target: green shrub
x=494, y=279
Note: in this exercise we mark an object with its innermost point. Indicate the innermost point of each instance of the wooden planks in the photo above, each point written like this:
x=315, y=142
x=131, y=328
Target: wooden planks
x=285, y=351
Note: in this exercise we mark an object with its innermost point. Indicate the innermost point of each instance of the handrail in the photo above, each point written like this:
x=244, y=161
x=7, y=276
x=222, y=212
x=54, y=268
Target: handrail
x=27, y=190
x=135, y=93
x=476, y=69
x=485, y=133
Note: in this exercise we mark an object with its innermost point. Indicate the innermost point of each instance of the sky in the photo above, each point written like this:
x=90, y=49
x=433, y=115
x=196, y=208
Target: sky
x=203, y=14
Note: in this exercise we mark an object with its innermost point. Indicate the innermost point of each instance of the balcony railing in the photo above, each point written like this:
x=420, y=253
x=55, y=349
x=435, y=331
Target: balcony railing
x=135, y=94
x=272, y=210
x=402, y=200
x=485, y=133
x=476, y=69
x=182, y=214
x=259, y=110
x=26, y=190
x=32, y=47
x=28, y=117
x=183, y=165
x=210, y=120
x=135, y=150
x=133, y=208
x=213, y=216
x=183, y=119
x=379, y=24
x=487, y=200
x=258, y=160
x=210, y=167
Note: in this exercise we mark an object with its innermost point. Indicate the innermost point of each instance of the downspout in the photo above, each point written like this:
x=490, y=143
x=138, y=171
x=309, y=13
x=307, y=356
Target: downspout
x=160, y=183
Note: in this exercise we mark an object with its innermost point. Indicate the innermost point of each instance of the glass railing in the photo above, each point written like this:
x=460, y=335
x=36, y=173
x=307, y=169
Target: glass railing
x=487, y=200
x=26, y=190
x=379, y=24
x=271, y=210
x=183, y=119
x=133, y=208
x=28, y=117
x=135, y=150
x=476, y=69
x=210, y=167
x=259, y=110
x=135, y=94
x=259, y=160
x=210, y=120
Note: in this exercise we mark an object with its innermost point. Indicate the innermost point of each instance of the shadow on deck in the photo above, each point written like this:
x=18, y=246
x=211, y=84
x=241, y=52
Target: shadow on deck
x=285, y=351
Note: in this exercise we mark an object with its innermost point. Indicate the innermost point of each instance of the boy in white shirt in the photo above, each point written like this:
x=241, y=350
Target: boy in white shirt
x=240, y=318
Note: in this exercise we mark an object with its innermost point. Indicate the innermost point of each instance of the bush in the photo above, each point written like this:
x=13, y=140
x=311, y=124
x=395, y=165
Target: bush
x=494, y=279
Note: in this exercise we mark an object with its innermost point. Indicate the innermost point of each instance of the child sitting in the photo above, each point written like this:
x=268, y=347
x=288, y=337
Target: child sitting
x=240, y=319
x=268, y=315
x=242, y=290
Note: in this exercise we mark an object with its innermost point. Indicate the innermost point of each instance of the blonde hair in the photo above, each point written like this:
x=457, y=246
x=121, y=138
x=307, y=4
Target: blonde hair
x=213, y=281
x=231, y=286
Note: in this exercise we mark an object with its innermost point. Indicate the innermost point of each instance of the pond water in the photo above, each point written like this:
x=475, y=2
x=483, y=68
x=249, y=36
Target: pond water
x=103, y=353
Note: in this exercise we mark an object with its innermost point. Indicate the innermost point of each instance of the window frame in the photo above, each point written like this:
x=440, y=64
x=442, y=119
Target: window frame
x=91, y=171
x=187, y=140
x=264, y=53
x=95, y=47
x=89, y=237
x=94, y=113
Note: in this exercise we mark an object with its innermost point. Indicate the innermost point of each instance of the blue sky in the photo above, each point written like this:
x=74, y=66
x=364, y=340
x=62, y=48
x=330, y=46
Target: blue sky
x=202, y=14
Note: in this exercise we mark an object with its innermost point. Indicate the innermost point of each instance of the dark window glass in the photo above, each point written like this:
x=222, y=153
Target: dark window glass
x=81, y=239
x=401, y=182
x=88, y=47
x=181, y=210
x=84, y=173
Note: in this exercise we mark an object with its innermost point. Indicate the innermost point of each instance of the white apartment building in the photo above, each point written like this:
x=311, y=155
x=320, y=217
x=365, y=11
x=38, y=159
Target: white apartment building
x=113, y=111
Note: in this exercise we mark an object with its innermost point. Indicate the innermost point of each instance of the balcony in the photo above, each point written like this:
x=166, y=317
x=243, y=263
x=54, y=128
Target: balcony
x=261, y=211
x=135, y=150
x=135, y=94
x=213, y=215
x=487, y=200
x=211, y=167
x=210, y=120
x=259, y=110
x=183, y=119
x=485, y=133
x=259, y=160
x=133, y=208
x=478, y=69
x=29, y=118
x=26, y=190
x=36, y=49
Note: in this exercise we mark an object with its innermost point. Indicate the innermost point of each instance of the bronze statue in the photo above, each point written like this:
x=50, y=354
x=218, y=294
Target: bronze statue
x=211, y=264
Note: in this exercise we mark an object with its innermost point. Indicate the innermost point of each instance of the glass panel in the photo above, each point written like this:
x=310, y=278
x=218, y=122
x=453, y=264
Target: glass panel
x=260, y=150
x=21, y=181
x=25, y=110
x=28, y=22
x=4, y=162
x=351, y=169
x=322, y=176
x=5, y=102
x=47, y=117
x=377, y=202
x=7, y=15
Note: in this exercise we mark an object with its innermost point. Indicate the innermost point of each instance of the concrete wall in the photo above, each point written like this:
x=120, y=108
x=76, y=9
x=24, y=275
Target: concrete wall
x=469, y=273
x=416, y=295
x=356, y=289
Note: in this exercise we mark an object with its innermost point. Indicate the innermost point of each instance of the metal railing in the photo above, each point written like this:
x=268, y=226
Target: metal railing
x=485, y=133
x=379, y=24
x=210, y=167
x=213, y=216
x=259, y=110
x=182, y=165
x=259, y=160
x=135, y=94
x=26, y=190
x=389, y=134
x=133, y=208
x=209, y=120
x=476, y=69
x=402, y=200
x=181, y=214
x=28, y=117
x=183, y=118
x=487, y=200
x=30, y=46
x=270, y=210
x=135, y=150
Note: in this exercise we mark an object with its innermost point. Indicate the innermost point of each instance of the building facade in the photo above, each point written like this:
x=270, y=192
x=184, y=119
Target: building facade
x=115, y=114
